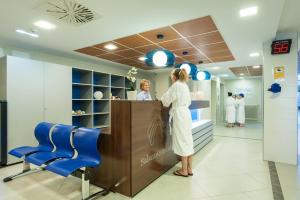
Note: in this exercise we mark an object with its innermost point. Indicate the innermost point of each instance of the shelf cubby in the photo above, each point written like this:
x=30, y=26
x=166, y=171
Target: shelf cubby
x=82, y=91
x=117, y=81
x=83, y=121
x=83, y=105
x=119, y=92
x=81, y=76
x=101, y=120
x=104, y=90
x=101, y=79
x=101, y=106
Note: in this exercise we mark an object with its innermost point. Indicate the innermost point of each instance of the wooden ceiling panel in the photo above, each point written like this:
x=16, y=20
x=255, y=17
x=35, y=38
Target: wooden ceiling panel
x=146, y=49
x=167, y=32
x=196, y=62
x=91, y=51
x=129, y=53
x=175, y=44
x=179, y=60
x=190, y=51
x=133, y=41
x=205, y=39
x=221, y=46
x=199, y=37
x=255, y=71
x=214, y=54
x=195, y=57
x=196, y=26
x=110, y=56
x=101, y=46
x=222, y=59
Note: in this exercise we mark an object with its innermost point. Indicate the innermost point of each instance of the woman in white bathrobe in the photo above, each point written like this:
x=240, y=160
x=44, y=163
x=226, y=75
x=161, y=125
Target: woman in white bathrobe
x=241, y=110
x=230, y=110
x=182, y=140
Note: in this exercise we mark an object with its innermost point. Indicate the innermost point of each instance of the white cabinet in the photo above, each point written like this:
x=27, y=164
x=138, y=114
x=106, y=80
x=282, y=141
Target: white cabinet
x=57, y=93
x=35, y=91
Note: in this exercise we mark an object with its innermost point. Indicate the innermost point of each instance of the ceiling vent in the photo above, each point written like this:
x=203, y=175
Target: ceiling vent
x=69, y=11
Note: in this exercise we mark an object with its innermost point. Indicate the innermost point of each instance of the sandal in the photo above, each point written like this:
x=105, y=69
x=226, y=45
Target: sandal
x=178, y=173
x=190, y=174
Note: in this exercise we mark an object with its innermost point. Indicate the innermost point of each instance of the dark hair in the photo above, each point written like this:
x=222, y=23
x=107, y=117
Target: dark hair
x=229, y=94
x=242, y=95
x=180, y=74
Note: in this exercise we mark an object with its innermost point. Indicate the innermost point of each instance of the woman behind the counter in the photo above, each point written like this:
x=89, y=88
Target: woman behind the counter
x=144, y=94
x=182, y=140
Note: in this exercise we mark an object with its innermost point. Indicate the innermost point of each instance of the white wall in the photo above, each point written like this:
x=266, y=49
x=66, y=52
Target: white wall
x=252, y=89
x=162, y=83
x=280, y=111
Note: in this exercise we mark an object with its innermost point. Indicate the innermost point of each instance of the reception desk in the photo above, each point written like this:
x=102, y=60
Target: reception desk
x=137, y=149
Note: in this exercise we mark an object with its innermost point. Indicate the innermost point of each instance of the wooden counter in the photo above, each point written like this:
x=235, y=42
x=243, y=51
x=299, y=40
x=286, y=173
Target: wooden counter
x=138, y=149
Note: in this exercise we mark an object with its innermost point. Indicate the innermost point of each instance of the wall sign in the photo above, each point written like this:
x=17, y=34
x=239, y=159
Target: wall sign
x=281, y=46
x=278, y=72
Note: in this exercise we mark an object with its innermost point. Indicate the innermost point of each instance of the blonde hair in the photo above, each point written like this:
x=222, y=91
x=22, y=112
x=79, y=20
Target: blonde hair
x=143, y=82
x=180, y=74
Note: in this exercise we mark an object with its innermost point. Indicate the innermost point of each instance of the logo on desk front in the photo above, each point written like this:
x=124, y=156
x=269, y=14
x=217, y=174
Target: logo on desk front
x=155, y=130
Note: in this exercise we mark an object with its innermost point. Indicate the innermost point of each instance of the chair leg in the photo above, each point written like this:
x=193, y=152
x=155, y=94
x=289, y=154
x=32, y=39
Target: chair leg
x=85, y=185
x=26, y=170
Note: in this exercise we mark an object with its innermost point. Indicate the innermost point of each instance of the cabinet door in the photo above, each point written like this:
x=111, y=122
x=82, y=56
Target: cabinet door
x=25, y=101
x=58, y=93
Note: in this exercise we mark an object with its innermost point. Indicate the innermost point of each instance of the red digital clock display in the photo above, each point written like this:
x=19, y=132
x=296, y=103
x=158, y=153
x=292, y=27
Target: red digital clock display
x=281, y=46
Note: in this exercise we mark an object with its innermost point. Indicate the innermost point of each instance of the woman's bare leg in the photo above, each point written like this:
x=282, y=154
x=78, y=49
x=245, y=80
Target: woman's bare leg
x=190, y=164
x=184, y=165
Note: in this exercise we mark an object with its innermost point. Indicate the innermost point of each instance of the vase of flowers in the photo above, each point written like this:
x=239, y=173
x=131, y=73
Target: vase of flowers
x=131, y=92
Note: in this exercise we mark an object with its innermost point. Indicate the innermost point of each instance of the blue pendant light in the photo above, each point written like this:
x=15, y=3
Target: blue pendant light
x=190, y=68
x=160, y=58
x=202, y=75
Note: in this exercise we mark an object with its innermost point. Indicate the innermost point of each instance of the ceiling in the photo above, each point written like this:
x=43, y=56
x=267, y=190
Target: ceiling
x=246, y=71
x=118, y=19
x=191, y=41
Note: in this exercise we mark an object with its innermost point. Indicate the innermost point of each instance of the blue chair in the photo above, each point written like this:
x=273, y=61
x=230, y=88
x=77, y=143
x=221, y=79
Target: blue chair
x=41, y=133
x=86, y=144
x=61, y=138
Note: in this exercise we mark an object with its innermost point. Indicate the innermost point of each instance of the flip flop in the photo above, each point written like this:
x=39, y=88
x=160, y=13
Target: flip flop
x=190, y=174
x=177, y=173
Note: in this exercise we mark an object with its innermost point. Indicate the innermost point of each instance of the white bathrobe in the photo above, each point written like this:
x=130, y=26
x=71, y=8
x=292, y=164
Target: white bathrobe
x=230, y=110
x=241, y=111
x=179, y=96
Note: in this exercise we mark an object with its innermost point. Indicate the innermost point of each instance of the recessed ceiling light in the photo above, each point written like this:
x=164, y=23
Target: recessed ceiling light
x=142, y=58
x=255, y=54
x=110, y=47
x=44, y=25
x=242, y=74
x=248, y=11
x=215, y=68
x=256, y=66
x=224, y=75
x=31, y=34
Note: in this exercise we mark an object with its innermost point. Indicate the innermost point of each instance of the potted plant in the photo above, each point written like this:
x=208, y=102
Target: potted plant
x=131, y=92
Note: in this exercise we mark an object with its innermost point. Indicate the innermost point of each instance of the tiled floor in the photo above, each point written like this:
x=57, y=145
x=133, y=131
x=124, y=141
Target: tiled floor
x=226, y=169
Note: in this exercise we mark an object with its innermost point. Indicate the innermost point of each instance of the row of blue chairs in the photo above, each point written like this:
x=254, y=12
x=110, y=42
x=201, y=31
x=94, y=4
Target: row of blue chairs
x=63, y=150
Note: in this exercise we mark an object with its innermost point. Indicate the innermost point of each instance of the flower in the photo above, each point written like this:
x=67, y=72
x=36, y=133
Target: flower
x=131, y=77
